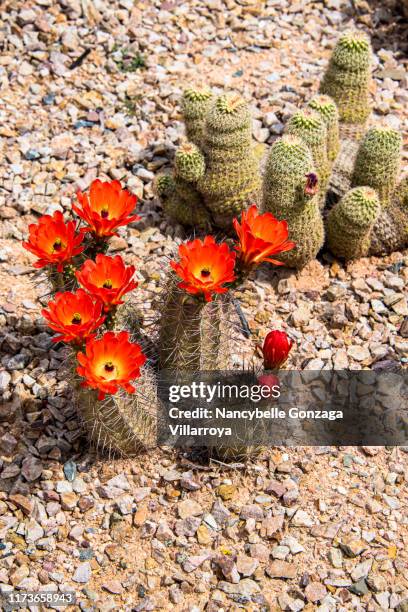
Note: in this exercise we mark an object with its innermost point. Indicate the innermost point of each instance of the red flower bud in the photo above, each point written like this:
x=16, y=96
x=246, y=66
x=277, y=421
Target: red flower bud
x=276, y=349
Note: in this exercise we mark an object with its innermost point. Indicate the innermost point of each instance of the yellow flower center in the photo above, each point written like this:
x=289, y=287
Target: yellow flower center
x=107, y=284
x=205, y=273
x=76, y=319
x=104, y=212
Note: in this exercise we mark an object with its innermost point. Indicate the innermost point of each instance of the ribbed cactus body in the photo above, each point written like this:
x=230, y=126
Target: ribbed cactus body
x=189, y=162
x=348, y=77
x=390, y=232
x=178, y=193
x=351, y=221
x=195, y=105
x=308, y=125
x=193, y=335
x=232, y=179
x=123, y=424
x=288, y=168
x=327, y=109
x=378, y=161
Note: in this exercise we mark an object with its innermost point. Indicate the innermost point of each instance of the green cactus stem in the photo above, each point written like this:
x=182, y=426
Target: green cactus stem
x=327, y=109
x=193, y=334
x=289, y=193
x=178, y=194
x=378, y=161
x=348, y=79
x=124, y=424
x=232, y=179
x=308, y=125
x=351, y=221
x=195, y=105
x=390, y=232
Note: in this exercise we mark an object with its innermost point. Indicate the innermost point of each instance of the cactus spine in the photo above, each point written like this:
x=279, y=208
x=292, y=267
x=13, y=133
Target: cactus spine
x=178, y=193
x=285, y=196
x=122, y=425
x=310, y=127
x=231, y=180
x=195, y=105
x=327, y=109
x=390, y=233
x=193, y=335
x=347, y=80
x=378, y=160
x=351, y=221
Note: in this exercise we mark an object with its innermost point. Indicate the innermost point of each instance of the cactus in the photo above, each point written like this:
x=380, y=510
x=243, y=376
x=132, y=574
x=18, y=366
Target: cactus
x=232, y=179
x=178, y=194
x=351, y=221
x=286, y=176
x=378, y=160
x=347, y=80
x=390, y=233
x=195, y=105
x=310, y=127
x=121, y=425
x=193, y=335
x=327, y=109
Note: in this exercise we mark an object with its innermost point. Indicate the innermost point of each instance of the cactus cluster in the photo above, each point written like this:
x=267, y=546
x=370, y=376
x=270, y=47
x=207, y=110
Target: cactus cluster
x=363, y=230
x=348, y=79
x=371, y=216
x=327, y=138
x=221, y=178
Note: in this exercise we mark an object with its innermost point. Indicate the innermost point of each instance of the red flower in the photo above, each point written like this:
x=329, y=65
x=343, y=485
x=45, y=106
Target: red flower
x=205, y=267
x=110, y=362
x=53, y=241
x=107, y=207
x=107, y=278
x=261, y=236
x=276, y=349
x=75, y=316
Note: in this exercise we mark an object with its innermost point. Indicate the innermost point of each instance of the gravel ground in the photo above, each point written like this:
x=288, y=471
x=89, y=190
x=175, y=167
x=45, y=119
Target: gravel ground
x=298, y=529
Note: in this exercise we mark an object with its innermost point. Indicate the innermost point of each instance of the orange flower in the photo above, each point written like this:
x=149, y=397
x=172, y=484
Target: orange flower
x=107, y=208
x=110, y=362
x=53, y=241
x=107, y=278
x=205, y=267
x=75, y=316
x=276, y=348
x=261, y=236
